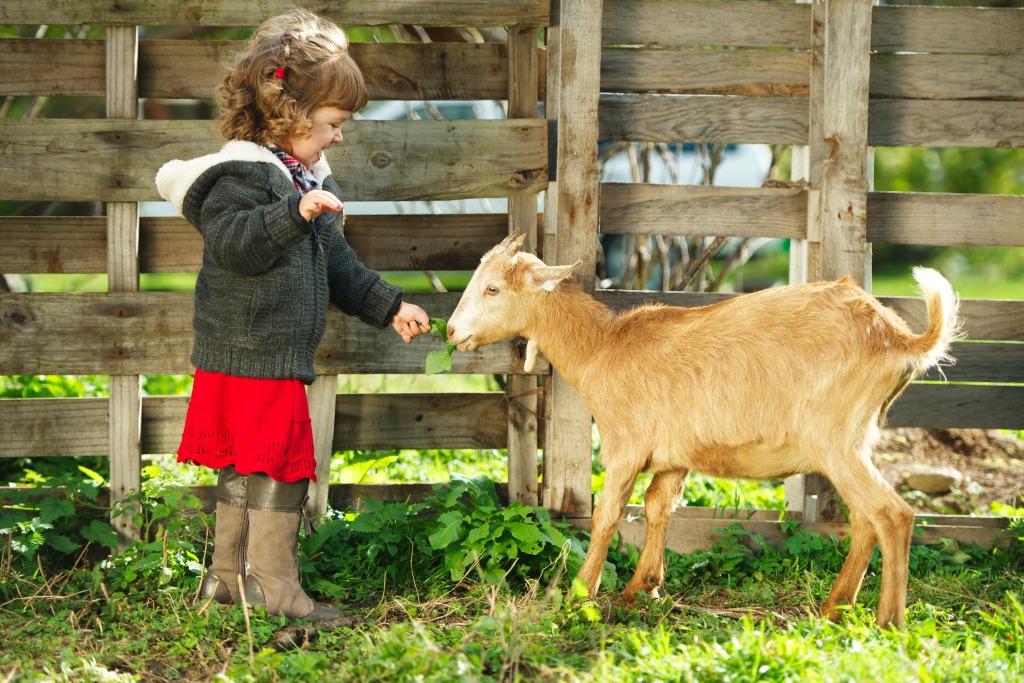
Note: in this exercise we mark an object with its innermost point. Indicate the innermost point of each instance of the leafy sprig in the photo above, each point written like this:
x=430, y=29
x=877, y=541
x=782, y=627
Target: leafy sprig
x=440, y=360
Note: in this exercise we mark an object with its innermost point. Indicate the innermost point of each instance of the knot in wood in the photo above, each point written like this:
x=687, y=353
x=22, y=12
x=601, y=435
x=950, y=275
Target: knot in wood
x=15, y=316
x=380, y=160
x=517, y=180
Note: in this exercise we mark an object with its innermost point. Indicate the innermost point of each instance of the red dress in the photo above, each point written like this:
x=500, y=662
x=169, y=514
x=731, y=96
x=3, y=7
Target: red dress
x=257, y=425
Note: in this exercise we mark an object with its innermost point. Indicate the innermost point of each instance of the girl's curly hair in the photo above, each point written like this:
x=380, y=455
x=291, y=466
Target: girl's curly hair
x=293, y=64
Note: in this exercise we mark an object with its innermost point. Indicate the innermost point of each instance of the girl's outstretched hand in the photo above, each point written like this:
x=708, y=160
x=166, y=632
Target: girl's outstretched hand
x=411, y=321
x=316, y=202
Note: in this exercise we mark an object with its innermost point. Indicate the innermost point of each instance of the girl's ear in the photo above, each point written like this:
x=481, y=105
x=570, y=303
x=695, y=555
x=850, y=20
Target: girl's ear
x=548, y=277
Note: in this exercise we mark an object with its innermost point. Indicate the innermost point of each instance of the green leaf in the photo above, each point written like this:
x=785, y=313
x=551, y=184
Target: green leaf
x=54, y=508
x=95, y=476
x=61, y=543
x=451, y=525
x=526, y=533
x=438, y=361
x=100, y=532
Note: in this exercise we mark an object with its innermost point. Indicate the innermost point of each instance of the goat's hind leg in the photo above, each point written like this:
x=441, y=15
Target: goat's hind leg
x=872, y=501
x=659, y=502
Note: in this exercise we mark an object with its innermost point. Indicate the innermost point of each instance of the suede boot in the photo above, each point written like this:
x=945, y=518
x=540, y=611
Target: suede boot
x=228, y=563
x=274, y=512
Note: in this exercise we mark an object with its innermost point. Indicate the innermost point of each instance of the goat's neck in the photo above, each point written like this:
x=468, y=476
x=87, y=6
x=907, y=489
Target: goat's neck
x=569, y=328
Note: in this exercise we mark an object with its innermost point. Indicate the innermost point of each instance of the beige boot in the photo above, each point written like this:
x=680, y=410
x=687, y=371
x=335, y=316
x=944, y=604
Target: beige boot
x=228, y=563
x=274, y=510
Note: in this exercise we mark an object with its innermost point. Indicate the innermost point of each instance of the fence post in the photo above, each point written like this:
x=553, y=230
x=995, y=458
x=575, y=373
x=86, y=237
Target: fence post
x=838, y=168
x=574, y=217
x=521, y=390
x=125, y=402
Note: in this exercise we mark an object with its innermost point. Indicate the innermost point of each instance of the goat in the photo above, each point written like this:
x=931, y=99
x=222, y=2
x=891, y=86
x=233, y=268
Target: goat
x=784, y=381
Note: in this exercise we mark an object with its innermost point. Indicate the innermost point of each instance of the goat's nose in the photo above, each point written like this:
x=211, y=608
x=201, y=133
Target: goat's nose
x=451, y=332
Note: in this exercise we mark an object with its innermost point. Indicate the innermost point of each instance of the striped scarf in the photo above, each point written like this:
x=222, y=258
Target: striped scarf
x=302, y=178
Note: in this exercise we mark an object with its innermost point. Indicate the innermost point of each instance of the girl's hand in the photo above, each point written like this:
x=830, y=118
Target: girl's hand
x=411, y=321
x=316, y=202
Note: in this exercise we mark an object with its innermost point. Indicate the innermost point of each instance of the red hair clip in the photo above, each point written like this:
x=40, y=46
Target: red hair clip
x=279, y=73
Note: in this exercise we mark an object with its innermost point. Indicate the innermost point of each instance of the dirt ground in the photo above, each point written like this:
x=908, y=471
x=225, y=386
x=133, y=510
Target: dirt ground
x=991, y=463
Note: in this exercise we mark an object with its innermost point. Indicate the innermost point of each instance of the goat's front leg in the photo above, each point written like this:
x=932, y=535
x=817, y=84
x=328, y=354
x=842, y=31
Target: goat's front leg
x=618, y=486
x=659, y=502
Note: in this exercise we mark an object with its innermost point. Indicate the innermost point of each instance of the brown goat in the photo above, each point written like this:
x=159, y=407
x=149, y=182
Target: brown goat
x=788, y=380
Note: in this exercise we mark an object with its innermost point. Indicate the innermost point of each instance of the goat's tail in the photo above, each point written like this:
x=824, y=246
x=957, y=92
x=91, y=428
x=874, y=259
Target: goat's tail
x=944, y=324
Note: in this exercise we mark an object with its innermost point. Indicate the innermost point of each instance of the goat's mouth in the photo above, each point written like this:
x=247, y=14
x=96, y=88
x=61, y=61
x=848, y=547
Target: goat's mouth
x=467, y=344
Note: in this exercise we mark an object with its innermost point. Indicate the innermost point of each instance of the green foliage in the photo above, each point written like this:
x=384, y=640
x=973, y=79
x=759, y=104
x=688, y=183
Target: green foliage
x=440, y=360
x=460, y=532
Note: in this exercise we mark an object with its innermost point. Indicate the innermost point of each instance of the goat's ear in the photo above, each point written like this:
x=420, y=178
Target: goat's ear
x=548, y=277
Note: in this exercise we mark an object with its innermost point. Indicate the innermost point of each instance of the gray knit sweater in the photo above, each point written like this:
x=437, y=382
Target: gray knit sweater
x=268, y=274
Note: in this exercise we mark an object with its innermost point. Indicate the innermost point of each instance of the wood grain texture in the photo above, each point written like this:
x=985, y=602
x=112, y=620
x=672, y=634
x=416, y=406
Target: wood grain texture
x=968, y=220
x=251, y=12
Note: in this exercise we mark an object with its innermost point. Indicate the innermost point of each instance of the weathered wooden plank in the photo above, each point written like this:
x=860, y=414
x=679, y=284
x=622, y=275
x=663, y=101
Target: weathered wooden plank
x=151, y=333
x=252, y=12
x=46, y=427
x=705, y=22
x=321, y=397
x=640, y=208
x=839, y=118
x=425, y=421
x=79, y=426
x=988, y=362
x=947, y=77
x=945, y=123
x=704, y=118
x=77, y=244
x=192, y=69
x=966, y=406
x=380, y=160
x=996, y=320
x=706, y=72
x=686, y=535
x=967, y=220
x=568, y=451
x=992, y=31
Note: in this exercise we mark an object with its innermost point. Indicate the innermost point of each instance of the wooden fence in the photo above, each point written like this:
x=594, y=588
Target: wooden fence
x=833, y=78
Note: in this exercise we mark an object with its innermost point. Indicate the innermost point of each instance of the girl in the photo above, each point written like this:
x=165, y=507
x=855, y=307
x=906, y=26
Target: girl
x=273, y=258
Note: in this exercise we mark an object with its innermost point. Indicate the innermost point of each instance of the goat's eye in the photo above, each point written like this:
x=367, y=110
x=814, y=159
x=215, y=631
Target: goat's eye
x=492, y=290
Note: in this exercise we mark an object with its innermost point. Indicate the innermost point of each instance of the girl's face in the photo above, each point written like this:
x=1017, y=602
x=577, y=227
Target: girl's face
x=326, y=131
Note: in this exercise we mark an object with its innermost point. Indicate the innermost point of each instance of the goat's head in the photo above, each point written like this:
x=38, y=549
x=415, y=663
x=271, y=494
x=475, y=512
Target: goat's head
x=501, y=295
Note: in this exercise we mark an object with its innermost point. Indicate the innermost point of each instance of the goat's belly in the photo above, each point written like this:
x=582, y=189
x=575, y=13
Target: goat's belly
x=749, y=461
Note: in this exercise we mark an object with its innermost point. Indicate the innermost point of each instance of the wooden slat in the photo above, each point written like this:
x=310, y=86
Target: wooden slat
x=996, y=320
x=945, y=29
x=709, y=72
x=705, y=22
x=77, y=244
x=151, y=333
x=423, y=421
x=704, y=118
x=965, y=406
x=989, y=362
x=640, y=208
x=967, y=220
x=687, y=534
x=192, y=69
x=568, y=451
x=79, y=426
x=947, y=77
x=251, y=12
x=380, y=160
x=945, y=123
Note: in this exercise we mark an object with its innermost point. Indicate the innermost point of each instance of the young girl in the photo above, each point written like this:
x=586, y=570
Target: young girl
x=273, y=258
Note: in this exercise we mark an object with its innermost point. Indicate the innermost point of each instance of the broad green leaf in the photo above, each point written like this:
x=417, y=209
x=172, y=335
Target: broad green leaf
x=527, y=533
x=100, y=532
x=451, y=524
x=438, y=361
x=61, y=543
x=52, y=508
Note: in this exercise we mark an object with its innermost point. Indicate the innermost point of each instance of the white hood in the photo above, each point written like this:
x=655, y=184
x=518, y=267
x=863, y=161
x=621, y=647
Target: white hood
x=176, y=176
